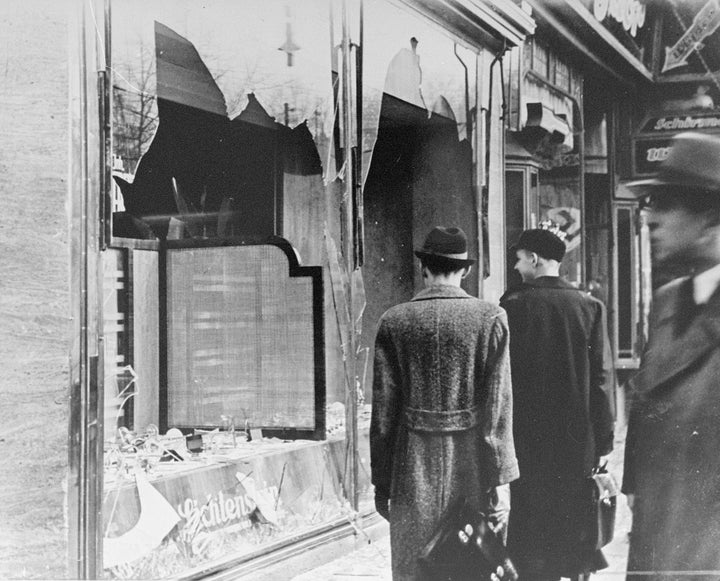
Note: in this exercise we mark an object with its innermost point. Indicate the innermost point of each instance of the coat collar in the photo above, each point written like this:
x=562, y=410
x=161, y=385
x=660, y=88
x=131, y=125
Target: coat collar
x=667, y=355
x=554, y=282
x=441, y=291
x=549, y=282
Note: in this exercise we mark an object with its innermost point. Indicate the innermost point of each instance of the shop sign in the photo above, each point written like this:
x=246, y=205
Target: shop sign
x=246, y=502
x=649, y=153
x=218, y=510
x=682, y=123
x=704, y=24
x=629, y=13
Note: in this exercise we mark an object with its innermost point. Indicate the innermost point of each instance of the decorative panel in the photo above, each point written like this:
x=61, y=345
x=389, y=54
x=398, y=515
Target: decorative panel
x=244, y=339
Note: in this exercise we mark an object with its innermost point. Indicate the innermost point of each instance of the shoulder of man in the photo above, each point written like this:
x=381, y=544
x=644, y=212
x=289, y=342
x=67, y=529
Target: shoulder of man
x=468, y=304
x=664, y=299
x=514, y=293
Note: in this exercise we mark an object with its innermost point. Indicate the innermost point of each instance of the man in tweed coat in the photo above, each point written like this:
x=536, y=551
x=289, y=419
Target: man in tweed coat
x=442, y=403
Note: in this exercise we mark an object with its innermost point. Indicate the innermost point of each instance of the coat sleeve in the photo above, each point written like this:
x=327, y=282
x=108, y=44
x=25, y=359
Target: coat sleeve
x=601, y=386
x=500, y=463
x=386, y=410
x=628, y=482
x=633, y=404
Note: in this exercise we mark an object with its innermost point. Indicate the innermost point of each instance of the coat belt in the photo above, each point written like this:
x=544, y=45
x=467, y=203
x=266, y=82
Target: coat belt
x=434, y=421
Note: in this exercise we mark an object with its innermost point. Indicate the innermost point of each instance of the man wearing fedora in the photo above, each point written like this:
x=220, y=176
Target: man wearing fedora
x=442, y=404
x=562, y=414
x=672, y=454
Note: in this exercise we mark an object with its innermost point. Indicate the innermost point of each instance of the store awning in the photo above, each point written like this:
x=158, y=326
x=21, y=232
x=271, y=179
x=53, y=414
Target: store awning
x=482, y=21
x=543, y=117
x=572, y=20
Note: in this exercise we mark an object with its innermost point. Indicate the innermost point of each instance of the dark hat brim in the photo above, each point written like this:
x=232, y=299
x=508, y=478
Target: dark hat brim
x=641, y=188
x=441, y=258
x=692, y=163
x=637, y=186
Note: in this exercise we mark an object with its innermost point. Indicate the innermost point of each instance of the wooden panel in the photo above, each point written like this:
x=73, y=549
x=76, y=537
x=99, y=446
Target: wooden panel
x=274, y=492
x=145, y=322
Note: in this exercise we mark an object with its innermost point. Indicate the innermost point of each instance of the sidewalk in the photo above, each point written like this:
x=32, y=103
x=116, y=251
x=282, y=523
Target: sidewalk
x=372, y=562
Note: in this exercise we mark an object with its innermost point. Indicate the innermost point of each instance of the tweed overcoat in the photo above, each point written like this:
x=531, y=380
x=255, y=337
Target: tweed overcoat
x=442, y=412
x=672, y=453
x=562, y=422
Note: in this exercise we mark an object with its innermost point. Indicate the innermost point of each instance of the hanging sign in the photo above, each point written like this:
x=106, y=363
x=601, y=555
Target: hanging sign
x=629, y=13
x=662, y=124
x=648, y=153
x=704, y=24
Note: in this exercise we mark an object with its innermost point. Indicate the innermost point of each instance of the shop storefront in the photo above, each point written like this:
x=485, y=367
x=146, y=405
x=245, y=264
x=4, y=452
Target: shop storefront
x=248, y=182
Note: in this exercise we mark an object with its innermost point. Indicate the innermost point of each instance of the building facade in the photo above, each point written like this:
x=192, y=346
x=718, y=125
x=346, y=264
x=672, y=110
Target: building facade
x=248, y=183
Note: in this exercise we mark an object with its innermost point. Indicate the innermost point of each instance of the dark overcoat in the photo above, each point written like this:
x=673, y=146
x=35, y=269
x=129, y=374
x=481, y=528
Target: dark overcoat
x=442, y=412
x=562, y=422
x=672, y=453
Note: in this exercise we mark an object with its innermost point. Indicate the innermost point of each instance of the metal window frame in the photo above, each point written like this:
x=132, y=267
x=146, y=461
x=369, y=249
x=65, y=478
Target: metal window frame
x=624, y=361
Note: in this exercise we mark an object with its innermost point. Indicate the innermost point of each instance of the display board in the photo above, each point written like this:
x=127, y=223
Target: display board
x=244, y=338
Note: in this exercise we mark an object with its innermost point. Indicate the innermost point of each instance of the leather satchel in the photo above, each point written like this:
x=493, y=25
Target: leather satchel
x=604, y=491
x=464, y=547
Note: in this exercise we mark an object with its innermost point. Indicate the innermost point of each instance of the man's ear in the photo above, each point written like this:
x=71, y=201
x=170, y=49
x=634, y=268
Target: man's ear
x=466, y=271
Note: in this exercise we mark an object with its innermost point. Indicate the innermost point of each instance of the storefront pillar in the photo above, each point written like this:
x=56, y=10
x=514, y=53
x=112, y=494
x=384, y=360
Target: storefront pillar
x=349, y=253
x=85, y=475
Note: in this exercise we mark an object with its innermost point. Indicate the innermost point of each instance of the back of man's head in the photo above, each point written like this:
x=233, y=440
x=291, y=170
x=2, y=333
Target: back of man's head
x=543, y=242
x=440, y=266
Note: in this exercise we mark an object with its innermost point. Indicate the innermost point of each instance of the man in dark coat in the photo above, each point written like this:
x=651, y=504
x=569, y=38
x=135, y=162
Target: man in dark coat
x=672, y=455
x=442, y=404
x=562, y=413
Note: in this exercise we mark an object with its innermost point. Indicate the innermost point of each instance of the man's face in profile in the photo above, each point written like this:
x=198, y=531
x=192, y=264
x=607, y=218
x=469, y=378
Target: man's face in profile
x=675, y=231
x=525, y=264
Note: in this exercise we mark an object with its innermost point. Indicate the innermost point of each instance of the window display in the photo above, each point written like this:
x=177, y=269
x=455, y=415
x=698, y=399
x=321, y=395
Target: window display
x=233, y=265
x=227, y=205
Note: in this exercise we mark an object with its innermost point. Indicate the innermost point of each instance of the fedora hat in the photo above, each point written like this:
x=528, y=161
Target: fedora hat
x=446, y=245
x=693, y=163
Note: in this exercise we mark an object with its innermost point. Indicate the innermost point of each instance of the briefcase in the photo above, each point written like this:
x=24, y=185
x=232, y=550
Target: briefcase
x=604, y=491
x=464, y=547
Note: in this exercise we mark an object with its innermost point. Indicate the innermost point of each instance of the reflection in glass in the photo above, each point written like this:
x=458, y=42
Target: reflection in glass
x=560, y=202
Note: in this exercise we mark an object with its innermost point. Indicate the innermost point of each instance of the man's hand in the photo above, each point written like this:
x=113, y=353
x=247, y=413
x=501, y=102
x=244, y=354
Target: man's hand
x=602, y=460
x=630, y=500
x=382, y=506
x=498, y=509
